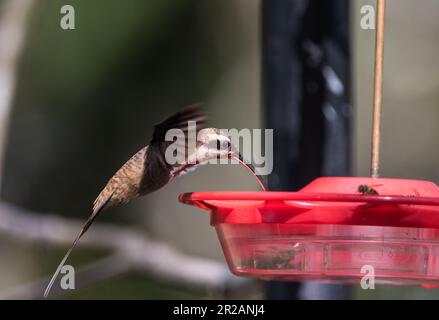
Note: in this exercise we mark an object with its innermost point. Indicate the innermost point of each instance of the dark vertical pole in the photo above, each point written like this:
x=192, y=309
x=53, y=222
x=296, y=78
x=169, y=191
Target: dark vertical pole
x=306, y=81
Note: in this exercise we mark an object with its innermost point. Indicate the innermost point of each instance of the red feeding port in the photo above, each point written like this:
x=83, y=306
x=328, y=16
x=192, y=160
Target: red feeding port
x=329, y=230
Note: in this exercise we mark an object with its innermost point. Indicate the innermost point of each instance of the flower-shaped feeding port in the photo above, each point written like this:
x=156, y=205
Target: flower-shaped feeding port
x=330, y=230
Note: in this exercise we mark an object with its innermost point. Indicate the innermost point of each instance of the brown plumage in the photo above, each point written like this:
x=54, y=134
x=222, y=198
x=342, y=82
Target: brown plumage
x=143, y=173
x=148, y=170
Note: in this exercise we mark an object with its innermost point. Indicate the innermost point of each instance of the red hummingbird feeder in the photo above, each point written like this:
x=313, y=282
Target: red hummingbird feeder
x=331, y=230
x=327, y=231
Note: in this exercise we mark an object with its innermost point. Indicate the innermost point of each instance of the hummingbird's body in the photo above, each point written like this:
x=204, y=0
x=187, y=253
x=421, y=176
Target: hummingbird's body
x=147, y=170
x=134, y=179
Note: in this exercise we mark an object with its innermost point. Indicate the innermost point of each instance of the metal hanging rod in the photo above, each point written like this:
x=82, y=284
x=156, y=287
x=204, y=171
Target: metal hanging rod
x=378, y=89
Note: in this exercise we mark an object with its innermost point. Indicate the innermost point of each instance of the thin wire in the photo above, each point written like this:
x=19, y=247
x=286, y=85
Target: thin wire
x=378, y=89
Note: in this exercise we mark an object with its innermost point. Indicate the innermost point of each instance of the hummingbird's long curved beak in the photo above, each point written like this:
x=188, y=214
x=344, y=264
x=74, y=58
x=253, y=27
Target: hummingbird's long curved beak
x=250, y=167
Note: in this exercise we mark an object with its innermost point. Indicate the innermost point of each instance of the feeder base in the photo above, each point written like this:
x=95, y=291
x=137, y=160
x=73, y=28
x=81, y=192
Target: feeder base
x=335, y=230
x=335, y=254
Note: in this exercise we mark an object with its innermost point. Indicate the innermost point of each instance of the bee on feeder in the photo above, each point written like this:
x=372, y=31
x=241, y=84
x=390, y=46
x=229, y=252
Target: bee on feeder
x=367, y=190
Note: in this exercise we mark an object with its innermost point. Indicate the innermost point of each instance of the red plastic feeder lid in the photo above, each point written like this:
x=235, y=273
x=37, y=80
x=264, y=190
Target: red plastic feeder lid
x=330, y=231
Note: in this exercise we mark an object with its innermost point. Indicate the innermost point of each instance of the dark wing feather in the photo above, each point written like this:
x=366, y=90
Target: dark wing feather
x=180, y=121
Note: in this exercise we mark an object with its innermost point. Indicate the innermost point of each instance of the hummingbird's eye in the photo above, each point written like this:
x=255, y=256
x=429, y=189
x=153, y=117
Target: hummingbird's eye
x=222, y=144
x=225, y=144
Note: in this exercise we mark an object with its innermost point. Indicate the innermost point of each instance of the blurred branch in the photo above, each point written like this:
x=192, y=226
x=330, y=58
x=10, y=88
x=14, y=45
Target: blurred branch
x=97, y=271
x=132, y=251
x=13, y=23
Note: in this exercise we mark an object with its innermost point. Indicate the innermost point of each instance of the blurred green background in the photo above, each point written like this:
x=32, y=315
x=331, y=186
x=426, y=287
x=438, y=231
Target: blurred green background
x=87, y=99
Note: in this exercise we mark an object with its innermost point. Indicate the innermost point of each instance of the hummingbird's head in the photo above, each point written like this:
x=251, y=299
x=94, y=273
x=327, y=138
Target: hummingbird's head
x=213, y=143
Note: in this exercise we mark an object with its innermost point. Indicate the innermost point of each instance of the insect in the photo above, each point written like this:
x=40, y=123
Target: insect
x=367, y=190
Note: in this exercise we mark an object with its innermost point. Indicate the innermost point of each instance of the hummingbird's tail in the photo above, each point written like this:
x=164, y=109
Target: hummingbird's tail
x=63, y=261
x=84, y=229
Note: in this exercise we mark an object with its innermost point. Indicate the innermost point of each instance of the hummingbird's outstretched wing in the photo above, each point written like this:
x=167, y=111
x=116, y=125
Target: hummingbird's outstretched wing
x=179, y=120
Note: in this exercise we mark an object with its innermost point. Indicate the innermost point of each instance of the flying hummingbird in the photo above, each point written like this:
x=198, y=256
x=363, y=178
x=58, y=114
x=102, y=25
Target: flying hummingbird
x=147, y=170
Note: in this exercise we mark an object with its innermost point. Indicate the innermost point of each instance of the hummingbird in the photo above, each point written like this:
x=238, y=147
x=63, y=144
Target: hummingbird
x=147, y=170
